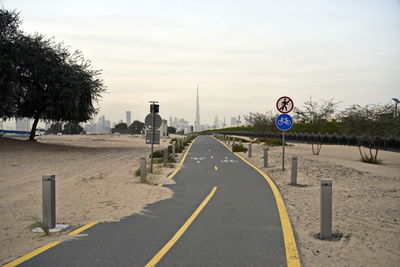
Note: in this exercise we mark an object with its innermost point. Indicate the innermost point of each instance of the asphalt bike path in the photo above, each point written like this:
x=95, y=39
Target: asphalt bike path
x=222, y=213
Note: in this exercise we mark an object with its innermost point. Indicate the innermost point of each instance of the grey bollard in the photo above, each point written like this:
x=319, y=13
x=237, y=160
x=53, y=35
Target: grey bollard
x=250, y=150
x=265, y=158
x=165, y=157
x=326, y=208
x=293, y=179
x=143, y=170
x=49, y=200
x=173, y=150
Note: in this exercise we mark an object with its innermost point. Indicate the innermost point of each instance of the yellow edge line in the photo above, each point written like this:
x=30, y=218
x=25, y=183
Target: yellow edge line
x=292, y=256
x=216, y=168
x=32, y=254
x=182, y=160
x=46, y=247
x=83, y=228
x=181, y=231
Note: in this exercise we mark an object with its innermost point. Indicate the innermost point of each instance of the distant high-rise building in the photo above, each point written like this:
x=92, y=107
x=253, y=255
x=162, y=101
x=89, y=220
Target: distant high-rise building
x=128, y=118
x=216, y=122
x=197, y=121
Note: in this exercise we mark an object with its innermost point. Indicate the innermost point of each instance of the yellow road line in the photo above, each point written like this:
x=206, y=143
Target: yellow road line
x=83, y=228
x=182, y=160
x=181, y=230
x=32, y=254
x=292, y=256
x=46, y=247
x=216, y=168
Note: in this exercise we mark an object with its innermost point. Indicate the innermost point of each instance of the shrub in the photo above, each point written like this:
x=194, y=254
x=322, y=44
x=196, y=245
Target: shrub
x=238, y=148
x=273, y=142
x=158, y=154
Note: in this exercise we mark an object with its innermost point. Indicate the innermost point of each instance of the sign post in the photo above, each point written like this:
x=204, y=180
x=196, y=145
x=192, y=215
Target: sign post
x=152, y=122
x=284, y=121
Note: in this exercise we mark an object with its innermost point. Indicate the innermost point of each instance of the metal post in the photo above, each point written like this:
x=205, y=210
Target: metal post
x=265, y=158
x=165, y=157
x=143, y=169
x=293, y=179
x=152, y=137
x=173, y=150
x=49, y=200
x=250, y=150
x=283, y=150
x=326, y=208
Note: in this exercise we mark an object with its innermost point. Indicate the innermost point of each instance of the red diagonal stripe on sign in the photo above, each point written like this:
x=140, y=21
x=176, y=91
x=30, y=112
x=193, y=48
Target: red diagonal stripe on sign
x=285, y=105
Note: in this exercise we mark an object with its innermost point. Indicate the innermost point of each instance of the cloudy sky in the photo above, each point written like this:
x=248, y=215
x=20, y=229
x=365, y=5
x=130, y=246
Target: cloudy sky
x=242, y=54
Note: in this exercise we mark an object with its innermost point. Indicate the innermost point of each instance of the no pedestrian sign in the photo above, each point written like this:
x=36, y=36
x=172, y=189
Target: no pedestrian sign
x=284, y=104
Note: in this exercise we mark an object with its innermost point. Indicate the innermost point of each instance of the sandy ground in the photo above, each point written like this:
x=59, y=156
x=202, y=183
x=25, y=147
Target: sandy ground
x=95, y=181
x=366, y=203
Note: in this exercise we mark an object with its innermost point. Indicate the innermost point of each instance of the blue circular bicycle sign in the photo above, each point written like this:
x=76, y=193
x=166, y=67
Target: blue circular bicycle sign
x=284, y=122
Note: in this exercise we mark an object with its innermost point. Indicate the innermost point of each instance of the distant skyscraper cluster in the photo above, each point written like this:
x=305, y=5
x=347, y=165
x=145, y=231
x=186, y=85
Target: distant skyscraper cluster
x=103, y=126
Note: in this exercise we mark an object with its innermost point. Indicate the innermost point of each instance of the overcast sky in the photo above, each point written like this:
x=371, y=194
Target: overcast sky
x=242, y=54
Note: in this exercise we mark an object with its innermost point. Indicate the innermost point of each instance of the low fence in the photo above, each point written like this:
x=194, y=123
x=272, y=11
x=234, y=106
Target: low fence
x=385, y=143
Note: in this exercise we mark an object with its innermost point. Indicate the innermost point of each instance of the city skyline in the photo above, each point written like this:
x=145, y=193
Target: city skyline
x=242, y=55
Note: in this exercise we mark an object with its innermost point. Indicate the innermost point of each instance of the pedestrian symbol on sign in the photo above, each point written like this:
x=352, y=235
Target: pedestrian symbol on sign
x=284, y=104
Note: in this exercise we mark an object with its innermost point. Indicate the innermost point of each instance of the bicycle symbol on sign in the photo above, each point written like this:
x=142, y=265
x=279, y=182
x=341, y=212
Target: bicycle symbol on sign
x=284, y=120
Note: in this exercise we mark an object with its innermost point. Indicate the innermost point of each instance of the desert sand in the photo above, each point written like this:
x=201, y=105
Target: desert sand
x=95, y=181
x=366, y=203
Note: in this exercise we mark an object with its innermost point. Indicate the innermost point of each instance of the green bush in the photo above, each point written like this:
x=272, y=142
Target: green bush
x=273, y=142
x=238, y=148
x=158, y=154
x=137, y=172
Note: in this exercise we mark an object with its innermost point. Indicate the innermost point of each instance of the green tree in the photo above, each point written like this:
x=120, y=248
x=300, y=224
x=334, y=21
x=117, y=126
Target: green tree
x=121, y=125
x=370, y=122
x=54, y=128
x=72, y=128
x=171, y=130
x=314, y=117
x=136, y=127
x=44, y=80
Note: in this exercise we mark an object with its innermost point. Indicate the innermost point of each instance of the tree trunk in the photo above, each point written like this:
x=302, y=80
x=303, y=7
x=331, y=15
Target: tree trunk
x=33, y=130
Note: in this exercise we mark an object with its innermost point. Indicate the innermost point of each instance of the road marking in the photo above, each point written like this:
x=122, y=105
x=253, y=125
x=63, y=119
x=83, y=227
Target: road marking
x=46, y=247
x=181, y=230
x=182, y=160
x=160, y=184
x=292, y=256
x=212, y=157
x=216, y=168
x=83, y=228
x=209, y=150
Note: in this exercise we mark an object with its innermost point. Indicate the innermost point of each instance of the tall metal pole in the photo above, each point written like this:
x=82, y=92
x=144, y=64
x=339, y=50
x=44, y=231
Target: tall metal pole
x=283, y=150
x=152, y=136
